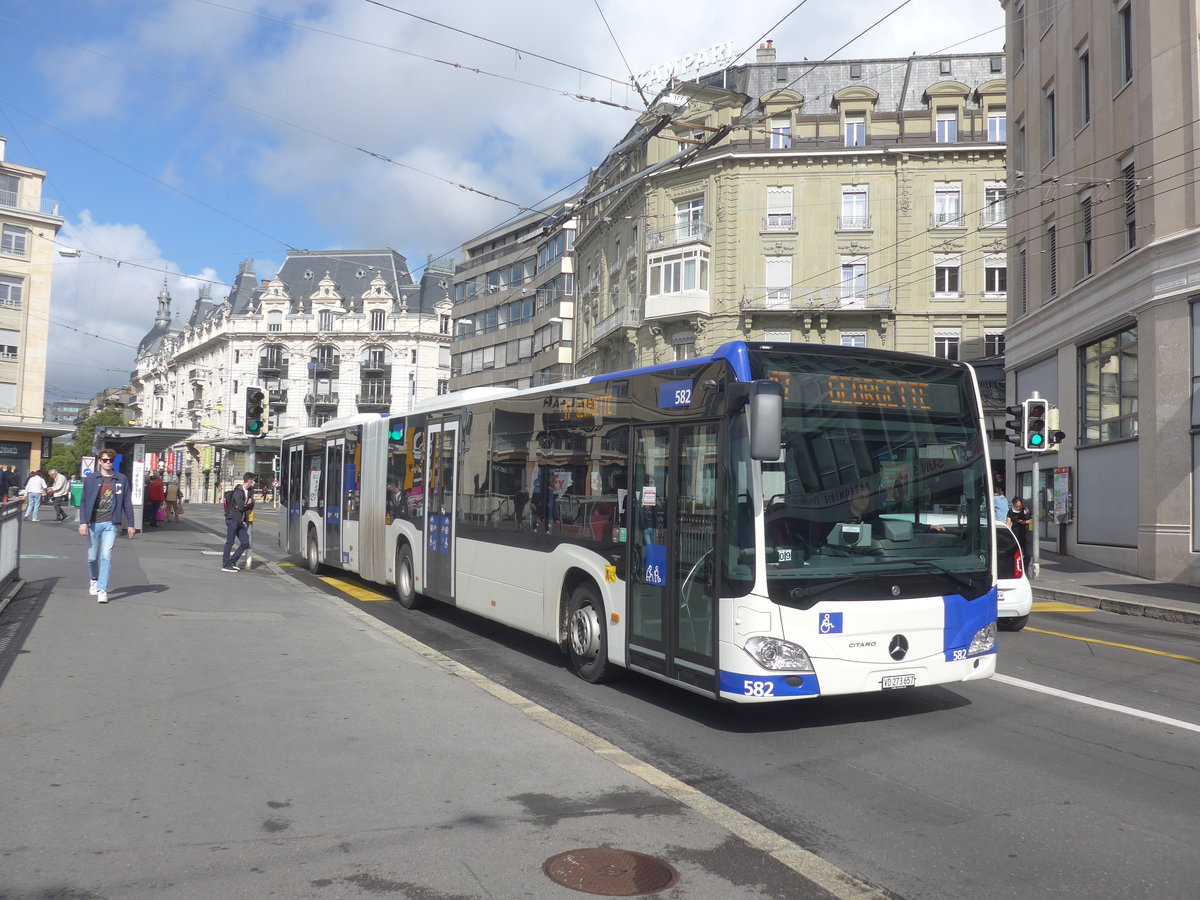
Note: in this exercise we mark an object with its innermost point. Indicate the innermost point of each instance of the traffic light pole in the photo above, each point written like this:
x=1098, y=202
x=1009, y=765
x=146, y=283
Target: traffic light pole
x=251, y=454
x=1035, y=511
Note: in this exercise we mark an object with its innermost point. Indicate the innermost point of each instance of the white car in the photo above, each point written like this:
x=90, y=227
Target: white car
x=1015, y=598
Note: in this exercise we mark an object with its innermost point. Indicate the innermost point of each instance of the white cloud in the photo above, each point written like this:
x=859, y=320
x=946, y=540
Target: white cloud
x=100, y=309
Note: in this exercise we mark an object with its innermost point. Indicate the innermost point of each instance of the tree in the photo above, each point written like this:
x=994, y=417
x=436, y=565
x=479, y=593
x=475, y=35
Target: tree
x=67, y=457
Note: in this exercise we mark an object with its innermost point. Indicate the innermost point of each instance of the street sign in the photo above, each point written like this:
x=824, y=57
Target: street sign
x=87, y=465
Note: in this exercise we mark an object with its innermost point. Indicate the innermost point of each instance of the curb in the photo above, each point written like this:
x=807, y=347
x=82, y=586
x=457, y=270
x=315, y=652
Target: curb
x=1122, y=607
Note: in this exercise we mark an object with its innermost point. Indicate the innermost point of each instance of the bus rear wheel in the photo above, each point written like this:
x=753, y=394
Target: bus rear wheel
x=313, y=555
x=406, y=582
x=587, y=637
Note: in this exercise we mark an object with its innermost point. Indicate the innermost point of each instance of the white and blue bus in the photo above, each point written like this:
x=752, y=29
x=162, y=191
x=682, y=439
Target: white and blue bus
x=771, y=522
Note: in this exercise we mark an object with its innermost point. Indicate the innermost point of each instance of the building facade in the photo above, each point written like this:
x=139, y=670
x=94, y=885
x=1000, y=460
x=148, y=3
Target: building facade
x=859, y=203
x=1104, y=242
x=332, y=334
x=28, y=226
x=514, y=297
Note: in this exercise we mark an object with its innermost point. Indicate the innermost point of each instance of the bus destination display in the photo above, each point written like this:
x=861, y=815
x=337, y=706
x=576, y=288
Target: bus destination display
x=861, y=391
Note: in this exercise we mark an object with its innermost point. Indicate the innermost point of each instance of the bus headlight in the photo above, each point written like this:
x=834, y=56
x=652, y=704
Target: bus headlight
x=773, y=653
x=984, y=640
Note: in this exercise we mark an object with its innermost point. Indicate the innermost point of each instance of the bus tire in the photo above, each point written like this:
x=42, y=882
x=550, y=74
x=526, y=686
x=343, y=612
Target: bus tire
x=312, y=554
x=587, y=638
x=406, y=583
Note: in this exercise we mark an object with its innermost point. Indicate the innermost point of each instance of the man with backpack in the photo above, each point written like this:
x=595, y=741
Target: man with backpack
x=238, y=503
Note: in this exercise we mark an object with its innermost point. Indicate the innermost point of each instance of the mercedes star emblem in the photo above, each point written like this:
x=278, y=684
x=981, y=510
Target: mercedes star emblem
x=898, y=648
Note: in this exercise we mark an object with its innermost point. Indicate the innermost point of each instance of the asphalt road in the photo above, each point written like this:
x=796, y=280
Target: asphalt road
x=995, y=789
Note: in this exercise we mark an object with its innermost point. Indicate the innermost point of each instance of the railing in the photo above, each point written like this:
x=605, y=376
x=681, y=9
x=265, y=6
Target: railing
x=800, y=299
x=854, y=223
x=373, y=398
x=947, y=220
x=277, y=397
x=320, y=399
x=10, y=541
x=681, y=233
x=779, y=222
x=625, y=317
x=12, y=200
x=990, y=219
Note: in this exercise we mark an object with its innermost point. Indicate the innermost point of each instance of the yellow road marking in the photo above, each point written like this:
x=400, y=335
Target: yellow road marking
x=1058, y=606
x=357, y=591
x=1076, y=637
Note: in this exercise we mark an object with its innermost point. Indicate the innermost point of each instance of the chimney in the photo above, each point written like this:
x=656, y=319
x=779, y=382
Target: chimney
x=766, y=52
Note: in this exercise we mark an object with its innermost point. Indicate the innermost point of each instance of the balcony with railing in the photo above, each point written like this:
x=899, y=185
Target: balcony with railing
x=374, y=395
x=321, y=367
x=325, y=399
x=695, y=232
x=374, y=369
x=12, y=200
x=623, y=317
x=854, y=223
x=277, y=397
x=947, y=220
x=272, y=368
x=993, y=218
x=791, y=299
x=779, y=222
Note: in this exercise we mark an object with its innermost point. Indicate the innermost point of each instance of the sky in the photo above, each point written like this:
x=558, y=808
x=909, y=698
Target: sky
x=183, y=137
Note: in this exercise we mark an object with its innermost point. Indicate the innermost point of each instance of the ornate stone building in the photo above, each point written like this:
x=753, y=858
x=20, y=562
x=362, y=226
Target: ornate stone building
x=334, y=333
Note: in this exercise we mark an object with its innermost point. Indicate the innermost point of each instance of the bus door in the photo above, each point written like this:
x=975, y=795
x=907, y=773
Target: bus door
x=441, y=467
x=296, y=479
x=672, y=530
x=335, y=453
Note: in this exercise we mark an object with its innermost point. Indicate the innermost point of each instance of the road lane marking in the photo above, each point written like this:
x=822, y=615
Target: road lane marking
x=1059, y=606
x=1099, y=704
x=826, y=875
x=1088, y=640
x=357, y=591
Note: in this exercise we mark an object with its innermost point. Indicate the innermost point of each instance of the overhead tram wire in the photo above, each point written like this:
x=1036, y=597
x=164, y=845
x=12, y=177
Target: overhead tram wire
x=637, y=86
x=290, y=124
x=488, y=40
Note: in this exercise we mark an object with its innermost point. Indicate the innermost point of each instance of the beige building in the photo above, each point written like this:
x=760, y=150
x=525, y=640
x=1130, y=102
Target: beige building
x=28, y=226
x=1105, y=247
x=856, y=202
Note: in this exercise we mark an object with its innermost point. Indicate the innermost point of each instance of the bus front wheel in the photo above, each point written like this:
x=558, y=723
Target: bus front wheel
x=588, y=638
x=406, y=583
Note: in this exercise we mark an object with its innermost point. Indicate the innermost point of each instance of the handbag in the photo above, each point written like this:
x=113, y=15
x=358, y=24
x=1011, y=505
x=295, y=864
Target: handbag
x=160, y=515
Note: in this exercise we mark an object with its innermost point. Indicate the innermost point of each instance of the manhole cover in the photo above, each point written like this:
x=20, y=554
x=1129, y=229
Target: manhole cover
x=612, y=873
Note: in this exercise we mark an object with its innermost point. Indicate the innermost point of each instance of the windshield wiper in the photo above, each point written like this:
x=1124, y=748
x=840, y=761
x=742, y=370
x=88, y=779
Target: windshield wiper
x=928, y=565
x=799, y=593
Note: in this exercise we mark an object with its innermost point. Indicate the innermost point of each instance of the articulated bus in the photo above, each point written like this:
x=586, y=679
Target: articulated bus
x=771, y=522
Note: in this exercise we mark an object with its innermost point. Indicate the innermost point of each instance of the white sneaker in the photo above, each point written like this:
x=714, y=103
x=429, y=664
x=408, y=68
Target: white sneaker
x=101, y=596
x=92, y=587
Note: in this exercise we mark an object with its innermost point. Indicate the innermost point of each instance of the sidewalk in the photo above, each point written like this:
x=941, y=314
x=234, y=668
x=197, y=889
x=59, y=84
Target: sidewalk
x=1068, y=580
x=243, y=735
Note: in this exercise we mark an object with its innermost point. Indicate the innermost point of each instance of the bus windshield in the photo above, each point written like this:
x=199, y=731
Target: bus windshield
x=882, y=473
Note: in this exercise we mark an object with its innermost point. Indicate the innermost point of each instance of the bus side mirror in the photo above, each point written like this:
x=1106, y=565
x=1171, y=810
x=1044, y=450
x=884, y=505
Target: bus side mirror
x=766, y=420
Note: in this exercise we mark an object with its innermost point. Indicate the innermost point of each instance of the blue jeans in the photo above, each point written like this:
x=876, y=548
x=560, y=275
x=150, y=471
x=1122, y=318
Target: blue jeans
x=35, y=503
x=234, y=528
x=101, y=536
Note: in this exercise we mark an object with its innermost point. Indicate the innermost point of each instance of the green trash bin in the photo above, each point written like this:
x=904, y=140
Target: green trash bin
x=76, y=493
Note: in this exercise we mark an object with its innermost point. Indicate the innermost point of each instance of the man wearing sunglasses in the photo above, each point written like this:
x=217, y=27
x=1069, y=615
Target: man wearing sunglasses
x=105, y=507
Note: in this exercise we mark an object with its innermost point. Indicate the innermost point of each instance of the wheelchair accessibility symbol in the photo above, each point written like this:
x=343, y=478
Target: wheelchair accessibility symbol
x=831, y=623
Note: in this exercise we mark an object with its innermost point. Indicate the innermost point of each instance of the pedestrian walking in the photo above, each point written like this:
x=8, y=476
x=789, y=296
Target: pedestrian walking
x=156, y=495
x=60, y=492
x=173, y=501
x=34, y=488
x=239, y=503
x=106, y=506
x=1022, y=518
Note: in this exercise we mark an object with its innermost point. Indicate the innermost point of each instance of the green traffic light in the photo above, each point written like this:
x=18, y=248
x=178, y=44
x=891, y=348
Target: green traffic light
x=255, y=426
x=1036, y=440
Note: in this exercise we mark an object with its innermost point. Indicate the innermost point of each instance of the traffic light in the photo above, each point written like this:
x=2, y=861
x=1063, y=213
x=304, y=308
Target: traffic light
x=1016, y=424
x=1054, y=436
x=1037, y=436
x=256, y=409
